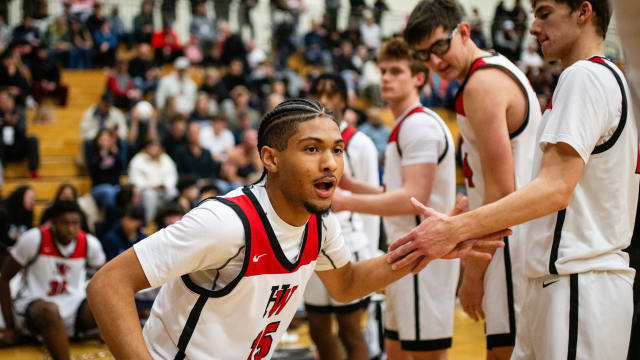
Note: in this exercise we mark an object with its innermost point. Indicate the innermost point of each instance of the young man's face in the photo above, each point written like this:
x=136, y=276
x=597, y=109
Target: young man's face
x=449, y=65
x=311, y=165
x=555, y=28
x=66, y=227
x=396, y=80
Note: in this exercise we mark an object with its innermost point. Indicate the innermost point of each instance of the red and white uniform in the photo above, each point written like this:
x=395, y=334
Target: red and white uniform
x=54, y=273
x=575, y=263
x=419, y=308
x=234, y=274
x=503, y=281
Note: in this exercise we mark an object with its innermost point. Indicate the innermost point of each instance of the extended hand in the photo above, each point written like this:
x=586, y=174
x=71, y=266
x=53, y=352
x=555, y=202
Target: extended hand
x=434, y=238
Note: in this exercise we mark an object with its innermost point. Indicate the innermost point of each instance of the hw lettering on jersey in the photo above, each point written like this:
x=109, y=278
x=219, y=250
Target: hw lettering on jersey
x=278, y=299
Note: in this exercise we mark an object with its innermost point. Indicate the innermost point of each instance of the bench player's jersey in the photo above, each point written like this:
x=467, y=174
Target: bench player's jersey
x=590, y=111
x=246, y=317
x=361, y=163
x=419, y=136
x=523, y=140
x=50, y=275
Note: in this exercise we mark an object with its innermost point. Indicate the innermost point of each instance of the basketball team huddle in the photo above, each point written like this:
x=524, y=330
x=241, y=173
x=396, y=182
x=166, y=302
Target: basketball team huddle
x=537, y=244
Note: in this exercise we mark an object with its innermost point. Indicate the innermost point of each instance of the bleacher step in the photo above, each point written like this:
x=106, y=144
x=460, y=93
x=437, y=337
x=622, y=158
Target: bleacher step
x=46, y=188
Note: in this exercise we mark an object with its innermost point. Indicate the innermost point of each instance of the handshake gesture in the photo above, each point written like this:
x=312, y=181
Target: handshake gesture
x=436, y=237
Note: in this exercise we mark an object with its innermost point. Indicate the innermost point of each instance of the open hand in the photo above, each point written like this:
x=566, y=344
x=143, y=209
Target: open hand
x=470, y=294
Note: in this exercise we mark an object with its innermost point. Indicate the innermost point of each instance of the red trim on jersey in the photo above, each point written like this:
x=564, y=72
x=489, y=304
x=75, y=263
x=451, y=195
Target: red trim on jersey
x=347, y=134
x=550, y=104
x=396, y=129
x=48, y=247
x=263, y=259
x=459, y=102
x=598, y=59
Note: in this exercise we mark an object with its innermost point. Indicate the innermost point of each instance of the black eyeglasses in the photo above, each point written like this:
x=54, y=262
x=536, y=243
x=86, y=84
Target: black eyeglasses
x=439, y=48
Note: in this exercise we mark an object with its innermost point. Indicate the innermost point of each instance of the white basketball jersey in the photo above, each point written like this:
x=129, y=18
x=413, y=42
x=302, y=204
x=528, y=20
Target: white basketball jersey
x=246, y=318
x=415, y=120
x=523, y=140
x=361, y=163
x=591, y=111
x=52, y=276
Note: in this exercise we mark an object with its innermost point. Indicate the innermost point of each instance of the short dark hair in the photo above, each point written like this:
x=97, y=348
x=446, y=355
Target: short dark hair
x=280, y=124
x=601, y=9
x=170, y=209
x=334, y=81
x=428, y=15
x=60, y=207
x=398, y=49
x=185, y=182
x=135, y=212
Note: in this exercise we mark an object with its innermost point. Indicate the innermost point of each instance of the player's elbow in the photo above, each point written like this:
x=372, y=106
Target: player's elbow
x=561, y=196
x=343, y=296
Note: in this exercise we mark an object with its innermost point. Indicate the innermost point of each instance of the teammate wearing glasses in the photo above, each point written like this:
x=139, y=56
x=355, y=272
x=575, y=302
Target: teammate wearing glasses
x=498, y=114
x=419, y=163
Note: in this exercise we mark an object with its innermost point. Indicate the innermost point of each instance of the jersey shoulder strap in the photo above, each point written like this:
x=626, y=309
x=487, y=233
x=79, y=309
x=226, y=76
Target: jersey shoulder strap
x=623, y=114
x=347, y=134
x=394, y=137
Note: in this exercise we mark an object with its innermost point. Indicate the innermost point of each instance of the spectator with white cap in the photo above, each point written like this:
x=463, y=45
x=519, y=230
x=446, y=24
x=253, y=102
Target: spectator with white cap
x=177, y=84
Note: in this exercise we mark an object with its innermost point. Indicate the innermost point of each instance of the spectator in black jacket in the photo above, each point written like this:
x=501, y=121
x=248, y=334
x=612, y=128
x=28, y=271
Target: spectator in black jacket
x=126, y=233
x=26, y=33
x=16, y=145
x=195, y=160
x=19, y=206
x=143, y=70
x=105, y=167
x=12, y=77
x=45, y=77
x=176, y=137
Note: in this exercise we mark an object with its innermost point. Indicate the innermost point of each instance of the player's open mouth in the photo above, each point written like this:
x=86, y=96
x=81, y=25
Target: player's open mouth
x=324, y=187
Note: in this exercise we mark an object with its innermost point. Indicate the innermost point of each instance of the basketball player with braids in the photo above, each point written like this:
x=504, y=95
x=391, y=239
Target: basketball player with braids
x=234, y=268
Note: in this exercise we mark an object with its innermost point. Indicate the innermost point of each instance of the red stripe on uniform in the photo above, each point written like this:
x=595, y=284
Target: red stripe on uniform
x=459, y=102
x=396, y=129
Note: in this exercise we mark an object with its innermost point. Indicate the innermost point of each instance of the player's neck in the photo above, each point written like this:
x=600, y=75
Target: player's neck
x=587, y=45
x=292, y=215
x=472, y=52
x=399, y=106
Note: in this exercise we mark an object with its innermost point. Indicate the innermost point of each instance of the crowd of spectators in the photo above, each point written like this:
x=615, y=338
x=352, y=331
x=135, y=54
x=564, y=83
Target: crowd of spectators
x=178, y=117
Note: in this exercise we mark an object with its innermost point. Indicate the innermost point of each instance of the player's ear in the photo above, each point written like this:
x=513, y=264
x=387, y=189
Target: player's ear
x=420, y=79
x=269, y=158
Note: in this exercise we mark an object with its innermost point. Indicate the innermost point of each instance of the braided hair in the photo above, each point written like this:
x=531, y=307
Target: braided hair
x=280, y=124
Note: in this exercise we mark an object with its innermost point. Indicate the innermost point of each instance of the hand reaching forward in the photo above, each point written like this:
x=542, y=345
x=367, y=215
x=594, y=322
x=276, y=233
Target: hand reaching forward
x=435, y=238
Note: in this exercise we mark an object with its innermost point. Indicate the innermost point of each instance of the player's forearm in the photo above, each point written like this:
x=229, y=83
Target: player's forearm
x=394, y=203
x=114, y=309
x=372, y=275
x=359, y=187
x=541, y=197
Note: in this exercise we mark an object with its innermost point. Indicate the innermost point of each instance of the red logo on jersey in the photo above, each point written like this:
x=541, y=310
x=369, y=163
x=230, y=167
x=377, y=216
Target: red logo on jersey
x=467, y=172
x=638, y=161
x=280, y=296
x=62, y=269
x=57, y=288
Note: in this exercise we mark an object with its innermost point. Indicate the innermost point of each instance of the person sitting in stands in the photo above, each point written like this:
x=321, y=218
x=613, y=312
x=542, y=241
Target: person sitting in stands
x=45, y=77
x=16, y=145
x=126, y=233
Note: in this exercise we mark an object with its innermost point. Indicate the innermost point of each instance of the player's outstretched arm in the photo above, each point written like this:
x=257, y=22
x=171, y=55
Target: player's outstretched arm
x=110, y=295
x=418, y=182
x=353, y=281
x=551, y=191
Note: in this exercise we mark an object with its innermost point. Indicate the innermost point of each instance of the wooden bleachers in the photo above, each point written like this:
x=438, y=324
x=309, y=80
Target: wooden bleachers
x=60, y=142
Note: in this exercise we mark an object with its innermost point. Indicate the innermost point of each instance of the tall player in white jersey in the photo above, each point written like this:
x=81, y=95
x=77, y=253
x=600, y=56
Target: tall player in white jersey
x=498, y=115
x=360, y=162
x=581, y=206
x=51, y=301
x=419, y=162
x=234, y=269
